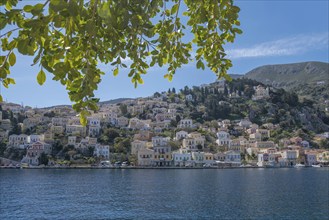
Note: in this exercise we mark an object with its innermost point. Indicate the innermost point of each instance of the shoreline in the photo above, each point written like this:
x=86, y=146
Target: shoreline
x=150, y=168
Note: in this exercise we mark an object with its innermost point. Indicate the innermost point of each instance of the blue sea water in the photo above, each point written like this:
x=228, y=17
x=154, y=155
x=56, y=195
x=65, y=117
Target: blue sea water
x=164, y=194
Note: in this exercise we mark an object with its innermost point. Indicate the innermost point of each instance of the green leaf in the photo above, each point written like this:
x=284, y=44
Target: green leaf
x=200, y=64
x=3, y=73
x=73, y=8
x=8, y=6
x=11, y=81
x=174, y=9
x=140, y=81
x=116, y=72
x=83, y=117
x=83, y=120
x=1, y=100
x=28, y=8
x=41, y=78
x=12, y=59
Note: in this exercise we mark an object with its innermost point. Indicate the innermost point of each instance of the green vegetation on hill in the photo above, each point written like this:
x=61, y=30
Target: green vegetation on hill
x=288, y=76
x=282, y=107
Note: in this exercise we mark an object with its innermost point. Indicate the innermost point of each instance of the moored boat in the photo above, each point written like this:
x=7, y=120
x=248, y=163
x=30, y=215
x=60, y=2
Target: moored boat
x=316, y=165
x=299, y=165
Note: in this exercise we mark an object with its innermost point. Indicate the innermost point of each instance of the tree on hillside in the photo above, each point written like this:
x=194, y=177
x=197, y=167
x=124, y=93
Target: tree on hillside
x=43, y=159
x=69, y=38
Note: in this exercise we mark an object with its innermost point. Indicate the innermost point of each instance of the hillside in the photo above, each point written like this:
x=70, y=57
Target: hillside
x=288, y=76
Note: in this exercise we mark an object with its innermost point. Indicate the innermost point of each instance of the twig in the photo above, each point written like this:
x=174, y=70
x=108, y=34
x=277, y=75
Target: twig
x=15, y=29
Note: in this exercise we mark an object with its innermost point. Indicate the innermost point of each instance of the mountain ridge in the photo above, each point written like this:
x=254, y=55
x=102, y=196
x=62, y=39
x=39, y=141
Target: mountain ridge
x=290, y=75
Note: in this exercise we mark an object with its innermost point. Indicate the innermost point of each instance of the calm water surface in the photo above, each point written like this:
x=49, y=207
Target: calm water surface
x=165, y=194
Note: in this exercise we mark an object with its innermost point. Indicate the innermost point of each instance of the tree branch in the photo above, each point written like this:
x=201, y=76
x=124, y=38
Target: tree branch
x=15, y=29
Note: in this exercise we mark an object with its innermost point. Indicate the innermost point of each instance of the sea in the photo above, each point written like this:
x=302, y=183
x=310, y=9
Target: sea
x=244, y=193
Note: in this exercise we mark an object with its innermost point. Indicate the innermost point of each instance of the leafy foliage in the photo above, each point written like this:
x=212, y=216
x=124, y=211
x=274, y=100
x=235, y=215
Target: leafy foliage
x=69, y=38
x=43, y=159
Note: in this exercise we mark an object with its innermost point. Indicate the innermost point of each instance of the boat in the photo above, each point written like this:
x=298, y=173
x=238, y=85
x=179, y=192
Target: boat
x=24, y=165
x=299, y=165
x=316, y=165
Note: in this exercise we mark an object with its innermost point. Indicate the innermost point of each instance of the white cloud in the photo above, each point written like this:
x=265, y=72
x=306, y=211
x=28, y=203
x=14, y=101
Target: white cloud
x=283, y=47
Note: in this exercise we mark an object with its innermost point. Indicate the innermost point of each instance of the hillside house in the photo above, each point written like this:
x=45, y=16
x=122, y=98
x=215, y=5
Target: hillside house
x=261, y=93
x=34, y=151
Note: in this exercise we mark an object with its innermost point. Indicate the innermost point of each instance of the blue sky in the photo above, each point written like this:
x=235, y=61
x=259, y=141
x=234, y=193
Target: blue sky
x=274, y=32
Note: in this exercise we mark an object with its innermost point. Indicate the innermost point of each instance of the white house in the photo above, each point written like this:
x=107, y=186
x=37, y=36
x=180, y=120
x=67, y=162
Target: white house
x=311, y=158
x=110, y=117
x=185, y=123
x=290, y=156
x=198, y=158
x=57, y=129
x=18, y=140
x=223, y=138
x=59, y=121
x=245, y=123
x=194, y=141
x=255, y=137
x=265, y=133
x=261, y=93
x=266, y=159
x=190, y=144
x=122, y=122
x=137, y=145
x=233, y=157
x=76, y=130
x=160, y=141
x=182, y=157
x=71, y=140
x=305, y=144
x=37, y=138
x=133, y=123
x=189, y=97
x=94, y=131
x=102, y=151
x=235, y=145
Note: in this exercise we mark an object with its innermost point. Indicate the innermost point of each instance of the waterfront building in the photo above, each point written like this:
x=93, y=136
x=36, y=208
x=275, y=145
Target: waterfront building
x=162, y=151
x=182, y=157
x=233, y=157
x=145, y=157
x=198, y=158
x=34, y=151
x=266, y=159
x=290, y=156
x=208, y=158
x=310, y=158
x=137, y=145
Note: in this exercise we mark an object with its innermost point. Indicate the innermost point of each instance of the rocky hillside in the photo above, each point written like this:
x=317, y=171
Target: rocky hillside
x=288, y=76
